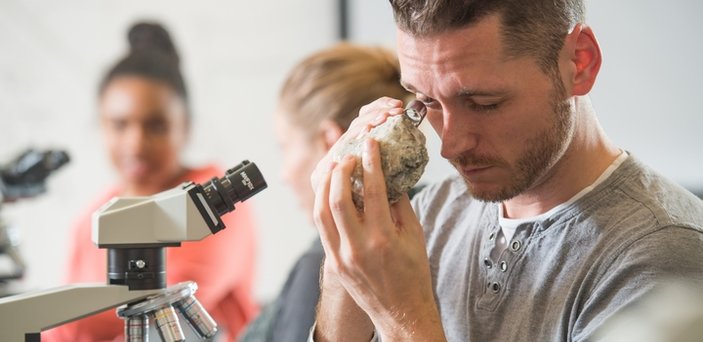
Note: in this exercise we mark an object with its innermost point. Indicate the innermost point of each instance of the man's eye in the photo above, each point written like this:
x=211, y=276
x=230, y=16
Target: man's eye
x=427, y=101
x=484, y=108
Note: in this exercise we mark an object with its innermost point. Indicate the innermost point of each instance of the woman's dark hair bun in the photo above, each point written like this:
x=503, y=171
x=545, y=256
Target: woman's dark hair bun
x=151, y=37
x=152, y=55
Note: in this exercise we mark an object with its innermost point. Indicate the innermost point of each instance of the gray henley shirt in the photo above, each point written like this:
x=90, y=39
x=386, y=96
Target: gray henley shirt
x=563, y=276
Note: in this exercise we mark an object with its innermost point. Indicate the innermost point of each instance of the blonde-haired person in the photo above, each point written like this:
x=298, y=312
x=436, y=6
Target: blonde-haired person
x=319, y=99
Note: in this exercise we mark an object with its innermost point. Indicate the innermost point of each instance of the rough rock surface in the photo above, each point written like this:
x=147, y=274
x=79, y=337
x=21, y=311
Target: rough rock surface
x=403, y=157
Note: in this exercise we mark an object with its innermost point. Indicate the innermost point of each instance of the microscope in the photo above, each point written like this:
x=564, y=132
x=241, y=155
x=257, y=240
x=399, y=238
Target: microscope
x=135, y=231
x=22, y=178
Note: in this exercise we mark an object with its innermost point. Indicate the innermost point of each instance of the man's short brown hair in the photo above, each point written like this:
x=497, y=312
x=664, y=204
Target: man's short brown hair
x=534, y=28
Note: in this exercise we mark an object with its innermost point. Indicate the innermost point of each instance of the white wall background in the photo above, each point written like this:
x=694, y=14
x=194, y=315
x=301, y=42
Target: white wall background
x=236, y=53
x=649, y=88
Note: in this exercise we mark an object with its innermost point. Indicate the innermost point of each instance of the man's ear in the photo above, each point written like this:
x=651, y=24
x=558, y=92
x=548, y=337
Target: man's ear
x=584, y=57
x=330, y=132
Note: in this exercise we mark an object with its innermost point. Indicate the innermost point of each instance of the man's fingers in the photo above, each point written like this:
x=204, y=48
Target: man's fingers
x=382, y=104
x=341, y=205
x=323, y=167
x=369, y=117
x=405, y=216
x=323, y=217
x=374, y=114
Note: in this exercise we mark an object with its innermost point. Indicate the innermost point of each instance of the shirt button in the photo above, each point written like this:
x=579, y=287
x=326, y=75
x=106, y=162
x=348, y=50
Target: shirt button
x=515, y=245
x=503, y=266
x=488, y=263
x=495, y=287
x=492, y=236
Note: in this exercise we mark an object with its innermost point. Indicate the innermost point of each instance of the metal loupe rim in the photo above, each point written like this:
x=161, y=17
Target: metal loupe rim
x=415, y=115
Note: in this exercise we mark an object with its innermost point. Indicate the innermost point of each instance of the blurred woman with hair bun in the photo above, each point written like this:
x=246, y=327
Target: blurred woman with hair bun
x=145, y=120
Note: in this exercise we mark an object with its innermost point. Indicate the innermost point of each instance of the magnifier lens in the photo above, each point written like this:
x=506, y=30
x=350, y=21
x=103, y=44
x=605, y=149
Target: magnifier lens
x=415, y=111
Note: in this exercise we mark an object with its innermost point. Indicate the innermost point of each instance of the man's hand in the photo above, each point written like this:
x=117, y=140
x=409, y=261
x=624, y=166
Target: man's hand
x=378, y=255
x=369, y=117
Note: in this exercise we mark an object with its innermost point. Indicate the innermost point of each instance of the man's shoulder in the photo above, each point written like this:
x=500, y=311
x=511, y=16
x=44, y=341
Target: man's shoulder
x=635, y=211
x=641, y=191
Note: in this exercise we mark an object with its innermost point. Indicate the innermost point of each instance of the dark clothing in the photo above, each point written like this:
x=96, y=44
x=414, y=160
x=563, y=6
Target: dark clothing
x=290, y=317
x=298, y=299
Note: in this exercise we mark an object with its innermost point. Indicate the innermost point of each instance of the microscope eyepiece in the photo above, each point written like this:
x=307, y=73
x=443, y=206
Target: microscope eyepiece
x=218, y=196
x=237, y=185
x=140, y=262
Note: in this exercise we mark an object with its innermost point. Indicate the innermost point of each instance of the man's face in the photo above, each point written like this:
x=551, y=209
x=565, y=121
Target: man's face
x=503, y=122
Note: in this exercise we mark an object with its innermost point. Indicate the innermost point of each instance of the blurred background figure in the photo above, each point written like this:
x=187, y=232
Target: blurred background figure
x=319, y=99
x=145, y=119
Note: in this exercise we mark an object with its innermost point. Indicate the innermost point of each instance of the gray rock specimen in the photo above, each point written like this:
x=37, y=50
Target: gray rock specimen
x=403, y=156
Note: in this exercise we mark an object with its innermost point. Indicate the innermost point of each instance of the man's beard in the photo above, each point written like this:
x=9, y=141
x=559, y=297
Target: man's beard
x=541, y=154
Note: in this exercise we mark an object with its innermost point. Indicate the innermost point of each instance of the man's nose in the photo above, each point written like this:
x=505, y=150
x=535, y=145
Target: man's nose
x=458, y=134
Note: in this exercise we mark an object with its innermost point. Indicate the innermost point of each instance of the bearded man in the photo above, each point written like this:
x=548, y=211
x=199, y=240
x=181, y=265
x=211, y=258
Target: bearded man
x=547, y=230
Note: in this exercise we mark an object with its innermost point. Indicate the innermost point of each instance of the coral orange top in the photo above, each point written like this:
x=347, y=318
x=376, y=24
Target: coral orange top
x=222, y=265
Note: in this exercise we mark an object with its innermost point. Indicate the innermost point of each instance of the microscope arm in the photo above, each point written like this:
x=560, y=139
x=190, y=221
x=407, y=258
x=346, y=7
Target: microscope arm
x=25, y=316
